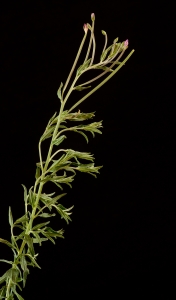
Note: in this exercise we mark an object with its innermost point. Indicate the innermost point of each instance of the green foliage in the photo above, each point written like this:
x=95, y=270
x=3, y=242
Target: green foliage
x=59, y=167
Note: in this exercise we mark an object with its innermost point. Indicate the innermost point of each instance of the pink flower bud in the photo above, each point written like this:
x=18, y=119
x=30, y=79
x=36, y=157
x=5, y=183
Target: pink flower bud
x=85, y=27
x=93, y=17
x=126, y=43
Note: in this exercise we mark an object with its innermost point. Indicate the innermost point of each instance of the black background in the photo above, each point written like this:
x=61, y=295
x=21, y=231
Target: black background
x=122, y=237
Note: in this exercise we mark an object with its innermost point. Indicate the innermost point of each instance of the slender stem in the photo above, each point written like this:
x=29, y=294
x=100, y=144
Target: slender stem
x=106, y=40
x=75, y=62
x=40, y=155
x=103, y=82
x=90, y=43
x=93, y=50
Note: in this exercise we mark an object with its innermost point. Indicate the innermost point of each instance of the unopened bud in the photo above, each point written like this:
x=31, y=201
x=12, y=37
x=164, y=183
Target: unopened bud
x=126, y=43
x=85, y=27
x=93, y=17
x=103, y=32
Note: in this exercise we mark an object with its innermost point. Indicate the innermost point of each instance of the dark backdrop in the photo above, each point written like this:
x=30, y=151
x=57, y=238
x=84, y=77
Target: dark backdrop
x=122, y=236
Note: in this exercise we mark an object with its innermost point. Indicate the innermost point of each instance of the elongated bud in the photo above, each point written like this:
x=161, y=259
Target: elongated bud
x=126, y=43
x=93, y=17
x=85, y=28
x=103, y=32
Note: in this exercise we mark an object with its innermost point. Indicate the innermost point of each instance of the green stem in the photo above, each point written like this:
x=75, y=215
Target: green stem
x=74, y=64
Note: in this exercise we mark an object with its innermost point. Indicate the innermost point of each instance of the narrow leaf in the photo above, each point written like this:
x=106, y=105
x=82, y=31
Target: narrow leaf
x=30, y=244
x=21, y=220
x=47, y=134
x=10, y=217
x=7, y=261
x=59, y=91
x=38, y=226
x=18, y=296
x=33, y=261
x=46, y=215
x=25, y=274
x=80, y=88
x=83, y=67
x=59, y=140
x=82, y=133
x=25, y=193
x=7, y=243
x=37, y=174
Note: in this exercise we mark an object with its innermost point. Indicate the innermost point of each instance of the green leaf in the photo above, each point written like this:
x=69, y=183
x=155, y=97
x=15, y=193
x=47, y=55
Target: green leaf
x=115, y=50
x=12, y=274
x=64, y=212
x=51, y=120
x=30, y=243
x=7, y=261
x=25, y=274
x=59, y=91
x=105, y=68
x=37, y=174
x=10, y=217
x=47, y=134
x=18, y=296
x=46, y=215
x=3, y=277
x=84, y=135
x=7, y=243
x=104, y=53
x=33, y=261
x=38, y=226
x=2, y=292
x=21, y=220
x=23, y=262
x=53, y=233
x=36, y=240
x=21, y=236
x=80, y=88
x=80, y=116
x=59, y=140
x=56, y=183
x=55, y=199
x=83, y=67
x=25, y=194
x=31, y=197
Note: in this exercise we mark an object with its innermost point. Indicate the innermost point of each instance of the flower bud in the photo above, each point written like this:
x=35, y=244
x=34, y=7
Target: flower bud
x=103, y=32
x=126, y=43
x=85, y=27
x=93, y=17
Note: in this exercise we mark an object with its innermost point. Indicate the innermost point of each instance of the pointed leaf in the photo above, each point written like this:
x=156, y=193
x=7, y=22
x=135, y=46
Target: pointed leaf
x=105, y=68
x=10, y=217
x=33, y=261
x=59, y=140
x=25, y=274
x=51, y=120
x=82, y=133
x=46, y=215
x=30, y=243
x=4, y=276
x=83, y=67
x=37, y=174
x=22, y=219
x=7, y=261
x=25, y=193
x=59, y=91
x=38, y=226
x=7, y=243
x=80, y=88
x=18, y=296
x=47, y=134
